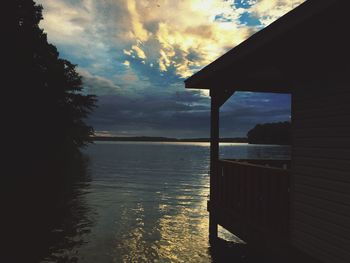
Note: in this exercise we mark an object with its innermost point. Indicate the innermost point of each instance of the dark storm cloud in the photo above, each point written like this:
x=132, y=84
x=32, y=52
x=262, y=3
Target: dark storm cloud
x=192, y=96
x=185, y=114
x=94, y=84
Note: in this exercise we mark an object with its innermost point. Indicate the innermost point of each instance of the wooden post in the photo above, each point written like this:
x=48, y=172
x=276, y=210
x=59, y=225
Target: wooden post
x=214, y=158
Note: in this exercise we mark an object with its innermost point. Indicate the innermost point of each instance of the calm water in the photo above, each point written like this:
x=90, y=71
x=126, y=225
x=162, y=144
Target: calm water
x=144, y=202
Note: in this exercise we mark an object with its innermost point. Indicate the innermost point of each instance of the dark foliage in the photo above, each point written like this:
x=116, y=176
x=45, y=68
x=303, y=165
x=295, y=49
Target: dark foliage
x=48, y=106
x=48, y=87
x=270, y=133
x=44, y=131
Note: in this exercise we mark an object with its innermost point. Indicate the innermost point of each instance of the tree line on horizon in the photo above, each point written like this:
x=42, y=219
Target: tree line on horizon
x=266, y=133
x=270, y=133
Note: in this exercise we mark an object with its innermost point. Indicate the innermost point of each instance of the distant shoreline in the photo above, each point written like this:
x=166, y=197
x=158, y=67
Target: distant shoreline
x=164, y=139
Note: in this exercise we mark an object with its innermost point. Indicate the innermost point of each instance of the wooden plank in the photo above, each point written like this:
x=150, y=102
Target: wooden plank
x=323, y=183
x=264, y=162
x=309, y=241
x=259, y=166
x=318, y=231
x=329, y=142
x=337, y=122
x=214, y=163
x=307, y=114
x=331, y=228
x=336, y=175
x=340, y=198
x=331, y=206
x=313, y=106
x=308, y=97
x=317, y=152
x=337, y=219
x=313, y=132
x=313, y=250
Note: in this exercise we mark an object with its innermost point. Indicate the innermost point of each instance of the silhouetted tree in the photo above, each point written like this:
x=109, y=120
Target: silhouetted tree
x=45, y=126
x=270, y=133
x=49, y=101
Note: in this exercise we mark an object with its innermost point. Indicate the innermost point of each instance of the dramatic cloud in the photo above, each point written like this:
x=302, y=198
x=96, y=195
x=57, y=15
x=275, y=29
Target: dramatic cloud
x=187, y=115
x=269, y=10
x=96, y=84
x=171, y=32
x=135, y=55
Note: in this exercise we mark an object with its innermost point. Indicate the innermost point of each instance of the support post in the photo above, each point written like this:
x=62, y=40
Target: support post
x=214, y=158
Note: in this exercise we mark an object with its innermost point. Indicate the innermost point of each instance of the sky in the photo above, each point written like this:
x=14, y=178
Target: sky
x=135, y=54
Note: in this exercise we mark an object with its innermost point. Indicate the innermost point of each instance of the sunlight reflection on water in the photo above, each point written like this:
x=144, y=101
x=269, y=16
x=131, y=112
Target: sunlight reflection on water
x=147, y=202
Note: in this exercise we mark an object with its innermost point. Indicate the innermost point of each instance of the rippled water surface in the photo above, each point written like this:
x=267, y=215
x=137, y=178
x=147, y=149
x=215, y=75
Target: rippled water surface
x=144, y=202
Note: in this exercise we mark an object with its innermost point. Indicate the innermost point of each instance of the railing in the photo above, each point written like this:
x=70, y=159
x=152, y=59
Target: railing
x=257, y=193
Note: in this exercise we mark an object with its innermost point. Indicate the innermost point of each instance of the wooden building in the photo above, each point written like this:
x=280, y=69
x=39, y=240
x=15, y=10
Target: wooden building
x=305, y=208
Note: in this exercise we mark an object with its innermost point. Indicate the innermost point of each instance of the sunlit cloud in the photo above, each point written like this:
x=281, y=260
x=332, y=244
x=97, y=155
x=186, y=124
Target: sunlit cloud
x=127, y=52
x=126, y=63
x=184, y=29
x=270, y=10
x=140, y=53
x=191, y=34
x=135, y=49
x=181, y=36
x=137, y=29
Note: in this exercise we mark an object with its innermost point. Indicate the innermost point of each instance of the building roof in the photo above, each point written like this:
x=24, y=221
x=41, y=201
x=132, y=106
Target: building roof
x=306, y=42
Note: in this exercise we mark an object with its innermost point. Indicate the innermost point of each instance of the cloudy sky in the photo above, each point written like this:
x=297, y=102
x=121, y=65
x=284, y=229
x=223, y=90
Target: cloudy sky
x=135, y=55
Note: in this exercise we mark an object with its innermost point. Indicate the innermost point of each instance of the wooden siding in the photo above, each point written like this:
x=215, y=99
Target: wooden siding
x=320, y=178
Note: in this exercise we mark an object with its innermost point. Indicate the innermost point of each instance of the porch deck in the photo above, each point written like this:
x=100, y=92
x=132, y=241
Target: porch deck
x=251, y=199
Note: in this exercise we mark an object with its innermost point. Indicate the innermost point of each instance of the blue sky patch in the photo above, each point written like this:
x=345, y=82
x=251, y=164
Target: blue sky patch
x=243, y=3
x=248, y=19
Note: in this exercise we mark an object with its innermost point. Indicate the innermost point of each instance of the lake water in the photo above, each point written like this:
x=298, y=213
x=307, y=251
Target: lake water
x=145, y=202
